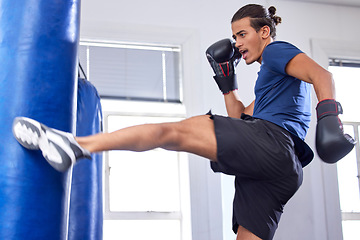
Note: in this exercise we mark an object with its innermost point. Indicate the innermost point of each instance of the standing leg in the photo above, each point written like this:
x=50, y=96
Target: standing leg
x=244, y=234
x=194, y=135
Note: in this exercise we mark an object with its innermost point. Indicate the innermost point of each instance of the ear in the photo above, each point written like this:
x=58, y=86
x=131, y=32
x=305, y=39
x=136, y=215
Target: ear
x=265, y=32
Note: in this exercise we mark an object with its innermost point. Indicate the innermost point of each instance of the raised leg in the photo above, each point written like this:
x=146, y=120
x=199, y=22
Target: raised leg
x=61, y=149
x=194, y=135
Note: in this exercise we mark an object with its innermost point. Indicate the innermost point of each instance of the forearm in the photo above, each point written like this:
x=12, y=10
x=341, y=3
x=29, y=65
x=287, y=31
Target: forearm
x=324, y=85
x=223, y=57
x=235, y=107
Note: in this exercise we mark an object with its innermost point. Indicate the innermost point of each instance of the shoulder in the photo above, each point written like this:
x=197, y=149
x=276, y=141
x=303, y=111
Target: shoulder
x=277, y=54
x=279, y=48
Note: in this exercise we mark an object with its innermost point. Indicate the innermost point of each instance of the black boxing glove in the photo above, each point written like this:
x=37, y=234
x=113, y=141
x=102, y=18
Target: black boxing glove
x=332, y=143
x=223, y=57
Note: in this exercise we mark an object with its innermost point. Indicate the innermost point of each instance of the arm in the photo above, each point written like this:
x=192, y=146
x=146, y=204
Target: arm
x=304, y=68
x=331, y=142
x=235, y=107
x=223, y=57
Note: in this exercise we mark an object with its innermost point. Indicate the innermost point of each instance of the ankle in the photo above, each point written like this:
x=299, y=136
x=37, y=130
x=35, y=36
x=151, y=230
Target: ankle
x=83, y=143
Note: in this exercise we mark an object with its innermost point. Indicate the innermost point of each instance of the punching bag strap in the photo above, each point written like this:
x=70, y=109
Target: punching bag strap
x=82, y=71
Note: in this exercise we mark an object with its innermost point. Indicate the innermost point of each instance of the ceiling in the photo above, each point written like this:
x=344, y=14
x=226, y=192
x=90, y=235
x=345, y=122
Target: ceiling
x=351, y=3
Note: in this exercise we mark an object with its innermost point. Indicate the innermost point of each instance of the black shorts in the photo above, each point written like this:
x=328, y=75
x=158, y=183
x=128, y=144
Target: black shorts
x=261, y=156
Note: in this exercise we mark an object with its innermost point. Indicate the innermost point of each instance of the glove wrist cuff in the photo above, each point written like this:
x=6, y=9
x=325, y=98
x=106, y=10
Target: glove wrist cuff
x=328, y=107
x=226, y=84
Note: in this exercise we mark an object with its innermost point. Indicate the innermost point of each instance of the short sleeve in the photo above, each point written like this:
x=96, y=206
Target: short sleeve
x=277, y=55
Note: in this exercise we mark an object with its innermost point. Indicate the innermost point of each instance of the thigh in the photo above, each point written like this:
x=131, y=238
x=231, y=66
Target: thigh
x=194, y=135
x=253, y=148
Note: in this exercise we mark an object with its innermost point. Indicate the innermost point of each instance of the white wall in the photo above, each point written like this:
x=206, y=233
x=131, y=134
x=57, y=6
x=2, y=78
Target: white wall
x=314, y=212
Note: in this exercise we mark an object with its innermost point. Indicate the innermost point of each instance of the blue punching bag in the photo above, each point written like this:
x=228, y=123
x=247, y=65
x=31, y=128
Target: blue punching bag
x=86, y=211
x=38, y=77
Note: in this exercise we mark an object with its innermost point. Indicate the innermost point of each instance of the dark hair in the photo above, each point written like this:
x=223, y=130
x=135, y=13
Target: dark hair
x=259, y=17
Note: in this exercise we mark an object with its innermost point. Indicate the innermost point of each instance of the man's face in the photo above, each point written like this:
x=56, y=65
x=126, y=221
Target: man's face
x=249, y=42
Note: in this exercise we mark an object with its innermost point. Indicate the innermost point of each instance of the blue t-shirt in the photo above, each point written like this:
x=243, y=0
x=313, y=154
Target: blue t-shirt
x=279, y=97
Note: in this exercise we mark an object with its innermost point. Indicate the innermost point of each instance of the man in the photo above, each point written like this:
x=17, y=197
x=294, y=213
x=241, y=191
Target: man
x=261, y=144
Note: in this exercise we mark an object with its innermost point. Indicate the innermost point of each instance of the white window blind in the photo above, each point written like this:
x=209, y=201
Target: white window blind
x=133, y=71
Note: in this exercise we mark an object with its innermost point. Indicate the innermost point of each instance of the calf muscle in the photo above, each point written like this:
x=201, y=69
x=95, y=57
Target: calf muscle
x=194, y=135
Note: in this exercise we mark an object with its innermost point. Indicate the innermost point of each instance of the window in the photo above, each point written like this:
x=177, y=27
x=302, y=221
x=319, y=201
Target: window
x=347, y=81
x=133, y=71
x=146, y=194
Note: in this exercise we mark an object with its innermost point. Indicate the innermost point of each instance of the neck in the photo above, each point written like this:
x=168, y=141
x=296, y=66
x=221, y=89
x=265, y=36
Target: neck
x=266, y=42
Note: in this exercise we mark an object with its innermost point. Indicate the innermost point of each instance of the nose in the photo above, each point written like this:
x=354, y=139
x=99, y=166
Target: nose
x=238, y=44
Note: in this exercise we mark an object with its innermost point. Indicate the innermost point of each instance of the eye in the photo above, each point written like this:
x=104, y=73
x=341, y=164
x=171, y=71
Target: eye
x=242, y=35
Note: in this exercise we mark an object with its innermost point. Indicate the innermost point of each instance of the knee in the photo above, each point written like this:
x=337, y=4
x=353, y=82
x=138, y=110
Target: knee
x=171, y=136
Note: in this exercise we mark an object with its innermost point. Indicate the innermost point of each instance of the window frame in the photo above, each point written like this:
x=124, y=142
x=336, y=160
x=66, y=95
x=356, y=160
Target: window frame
x=136, y=107
x=339, y=62
x=167, y=110
x=348, y=216
x=328, y=216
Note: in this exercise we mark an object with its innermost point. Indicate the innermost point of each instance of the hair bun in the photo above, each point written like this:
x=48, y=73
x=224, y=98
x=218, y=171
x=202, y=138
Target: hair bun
x=272, y=11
